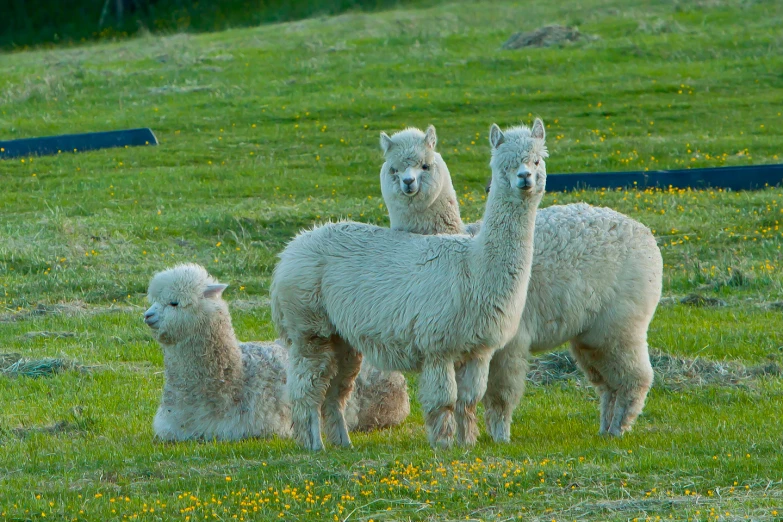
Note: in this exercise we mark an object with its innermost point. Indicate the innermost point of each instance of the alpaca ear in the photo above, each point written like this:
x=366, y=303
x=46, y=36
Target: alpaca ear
x=214, y=291
x=430, y=138
x=496, y=137
x=538, y=129
x=386, y=142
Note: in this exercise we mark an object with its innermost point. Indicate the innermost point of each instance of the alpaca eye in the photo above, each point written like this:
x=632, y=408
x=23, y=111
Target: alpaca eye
x=174, y=303
x=424, y=166
x=537, y=162
x=392, y=172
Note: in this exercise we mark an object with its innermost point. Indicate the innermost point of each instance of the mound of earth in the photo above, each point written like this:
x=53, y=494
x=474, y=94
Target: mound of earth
x=546, y=37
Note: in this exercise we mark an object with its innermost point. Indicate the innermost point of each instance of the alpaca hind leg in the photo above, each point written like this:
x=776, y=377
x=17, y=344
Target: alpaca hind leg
x=349, y=362
x=312, y=366
x=586, y=359
x=471, y=377
x=607, y=402
x=438, y=395
x=634, y=378
x=625, y=376
x=505, y=387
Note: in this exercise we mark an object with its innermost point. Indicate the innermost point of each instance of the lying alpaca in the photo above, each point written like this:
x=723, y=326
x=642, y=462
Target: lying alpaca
x=410, y=302
x=595, y=281
x=218, y=388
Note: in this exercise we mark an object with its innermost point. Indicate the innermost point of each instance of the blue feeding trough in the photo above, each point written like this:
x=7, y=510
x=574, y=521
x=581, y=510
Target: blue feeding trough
x=751, y=177
x=76, y=143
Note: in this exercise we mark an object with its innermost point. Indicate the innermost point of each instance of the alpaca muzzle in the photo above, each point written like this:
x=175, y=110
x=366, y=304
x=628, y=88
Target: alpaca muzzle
x=151, y=318
x=409, y=183
x=525, y=179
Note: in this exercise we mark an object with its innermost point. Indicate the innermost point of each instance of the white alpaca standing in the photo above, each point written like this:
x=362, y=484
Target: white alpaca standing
x=218, y=388
x=595, y=281
x=410, y=302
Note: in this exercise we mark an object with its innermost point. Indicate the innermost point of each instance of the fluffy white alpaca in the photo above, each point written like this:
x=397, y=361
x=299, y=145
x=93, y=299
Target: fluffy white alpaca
x=218, y=388
x=595, y=281
x=410, y=302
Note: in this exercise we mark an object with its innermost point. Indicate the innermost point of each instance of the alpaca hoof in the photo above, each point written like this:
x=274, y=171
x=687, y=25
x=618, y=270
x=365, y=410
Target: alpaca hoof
x=503, y=438
x=312, y=445
x=440, y=432
x=307, y=430
x=467, y=435
x=338, y=435
x=468, y=442
x=498, y=429
x=343, y=442
x=612, y=432
x=442, y=443
x=467, y=429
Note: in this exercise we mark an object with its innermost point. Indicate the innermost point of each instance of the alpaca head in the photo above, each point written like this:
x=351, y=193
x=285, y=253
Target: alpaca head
x=518, y=157
x=413, y=171
x=183, y=299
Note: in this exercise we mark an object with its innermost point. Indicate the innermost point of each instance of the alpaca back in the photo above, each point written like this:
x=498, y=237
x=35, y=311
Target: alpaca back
x=398, y=316
x=589, y=264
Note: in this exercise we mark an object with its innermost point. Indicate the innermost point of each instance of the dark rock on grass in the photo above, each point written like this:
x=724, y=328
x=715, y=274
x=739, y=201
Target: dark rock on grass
x=546, y=37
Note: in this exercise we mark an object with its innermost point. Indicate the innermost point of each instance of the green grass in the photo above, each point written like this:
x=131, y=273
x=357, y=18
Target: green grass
x=266, y=130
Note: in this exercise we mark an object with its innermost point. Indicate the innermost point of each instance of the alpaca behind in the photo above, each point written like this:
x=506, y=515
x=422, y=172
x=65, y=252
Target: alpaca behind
x=595, y=281
x=218, y=388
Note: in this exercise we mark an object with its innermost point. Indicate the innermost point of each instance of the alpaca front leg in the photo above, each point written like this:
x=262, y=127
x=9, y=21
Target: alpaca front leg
x=505, y=387
x=311, y=366
x=471, y=377
x=437, y=394
x=349, y=362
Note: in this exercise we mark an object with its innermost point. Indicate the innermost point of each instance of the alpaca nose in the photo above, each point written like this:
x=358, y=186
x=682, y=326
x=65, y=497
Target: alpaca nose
x=408, y=181
x=524, y=178
x=148, y=316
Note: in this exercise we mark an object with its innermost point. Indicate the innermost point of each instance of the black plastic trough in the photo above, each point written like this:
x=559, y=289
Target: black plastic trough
x=750, y=177
x=76, y=143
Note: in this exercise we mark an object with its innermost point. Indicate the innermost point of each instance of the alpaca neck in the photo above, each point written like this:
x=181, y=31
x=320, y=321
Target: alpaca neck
x=503, y=249
x=206, y=361
x=440, y=217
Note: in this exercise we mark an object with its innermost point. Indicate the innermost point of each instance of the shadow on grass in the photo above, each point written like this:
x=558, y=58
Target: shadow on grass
x=58, y=22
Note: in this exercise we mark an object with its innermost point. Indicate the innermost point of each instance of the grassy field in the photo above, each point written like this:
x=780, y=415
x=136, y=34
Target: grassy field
x=264, y=131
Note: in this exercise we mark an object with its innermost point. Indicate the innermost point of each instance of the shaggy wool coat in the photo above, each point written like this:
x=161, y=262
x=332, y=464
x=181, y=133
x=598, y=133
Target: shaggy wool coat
x=595, y=281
